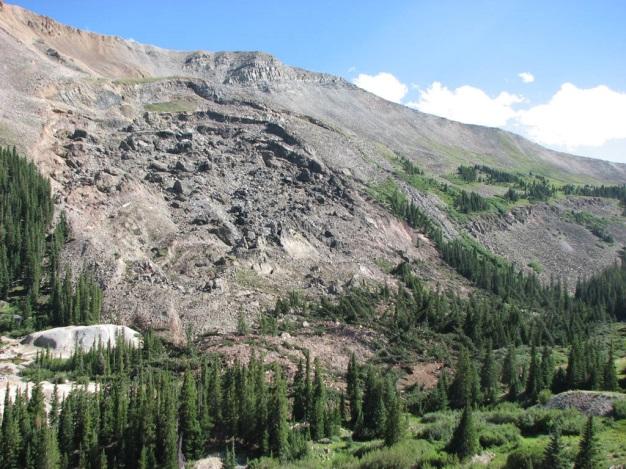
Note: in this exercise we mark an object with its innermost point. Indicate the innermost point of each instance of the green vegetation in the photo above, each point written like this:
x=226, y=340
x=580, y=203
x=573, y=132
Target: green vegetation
x=597, y=225
x=30, y=277
x=536, y=266
x=504, y=351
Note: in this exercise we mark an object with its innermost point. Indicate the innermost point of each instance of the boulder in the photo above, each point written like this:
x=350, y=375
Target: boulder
x=63, y=340
x=78, y=134
x=178, y=187
x=183, y=146
x=181, y=166
x=598, y=403
x=205, y=166
x=158, y=166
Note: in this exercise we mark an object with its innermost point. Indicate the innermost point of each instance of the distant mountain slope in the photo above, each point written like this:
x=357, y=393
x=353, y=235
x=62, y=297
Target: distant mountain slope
x=202, y=183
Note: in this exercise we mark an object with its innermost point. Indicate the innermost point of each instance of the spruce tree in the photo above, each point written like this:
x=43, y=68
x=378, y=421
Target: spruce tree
x=278, y=425
x=532, y=383
x=319, y=404
x=589, y=456
x=353, y=390
x=299, y=394
x=610, y=373
x=465, y=387
x=464, y=442
x=188, y=420
x=555, y=457
x=230, y=460
x=546, y=369
x=393, y=422
x=488, y=378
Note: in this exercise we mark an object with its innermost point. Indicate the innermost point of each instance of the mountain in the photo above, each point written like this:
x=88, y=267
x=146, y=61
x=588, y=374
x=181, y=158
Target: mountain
x=200, y=184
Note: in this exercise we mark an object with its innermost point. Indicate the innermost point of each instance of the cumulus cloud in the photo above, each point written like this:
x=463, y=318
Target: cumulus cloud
x=383, y=84
x=467, y=104
x=577, y=117
x=526, y=77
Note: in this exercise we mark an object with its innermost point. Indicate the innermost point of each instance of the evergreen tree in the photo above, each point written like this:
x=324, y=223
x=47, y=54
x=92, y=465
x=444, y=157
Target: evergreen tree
x=589, y=451
x=439, y=397
x=488, y=377
x=393, y=422
x=575, y=367
x=465, y=388
x=299, y=394
x=230, y=460
x=317, y=420
x=546, y=369
x=374, y=412
x=188, y=420
x=353, y=390
x=464, y=442
x=555, y=457
x=278, y=425
x=610, y=372
x=534, y=373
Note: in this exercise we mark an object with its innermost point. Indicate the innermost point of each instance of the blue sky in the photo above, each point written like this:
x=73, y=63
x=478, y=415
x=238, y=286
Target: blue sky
x=458, y=59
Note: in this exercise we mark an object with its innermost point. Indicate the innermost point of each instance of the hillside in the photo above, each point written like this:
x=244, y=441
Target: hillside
x=213, y=259
x=199, y=183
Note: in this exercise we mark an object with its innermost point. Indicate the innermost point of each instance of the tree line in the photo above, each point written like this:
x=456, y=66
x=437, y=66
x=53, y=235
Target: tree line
x=30, y=249
x=155, y=404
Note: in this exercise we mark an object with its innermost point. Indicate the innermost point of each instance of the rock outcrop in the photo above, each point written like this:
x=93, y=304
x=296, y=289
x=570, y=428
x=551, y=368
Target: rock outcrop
x=62, y=341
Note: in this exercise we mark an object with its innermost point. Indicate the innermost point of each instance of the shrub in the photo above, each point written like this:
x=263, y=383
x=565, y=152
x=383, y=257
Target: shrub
x=544, y=396
x=504, y=413
x=537, y=420
x=619, y=409
x=498, y=435
x=441, y=428
x=399, y=456
x=523, y=458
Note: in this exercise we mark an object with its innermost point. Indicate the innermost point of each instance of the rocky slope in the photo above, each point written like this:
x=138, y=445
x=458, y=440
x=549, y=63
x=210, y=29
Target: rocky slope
x=199, y=184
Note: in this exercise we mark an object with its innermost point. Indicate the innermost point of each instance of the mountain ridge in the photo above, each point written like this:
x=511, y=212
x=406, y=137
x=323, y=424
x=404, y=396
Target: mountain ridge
x=201, y=183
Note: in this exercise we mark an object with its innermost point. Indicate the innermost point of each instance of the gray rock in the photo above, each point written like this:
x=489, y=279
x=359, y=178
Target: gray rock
x=178, y=187
x=183, y=146
x=63, y=340
x=79, y=134
x=158, y=166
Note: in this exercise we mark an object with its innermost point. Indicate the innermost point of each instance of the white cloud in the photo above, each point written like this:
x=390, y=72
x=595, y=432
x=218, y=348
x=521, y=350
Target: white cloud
x=526, y=77
x=467, y=104
x=577, y=117
x=574, y=118
x=383, y=84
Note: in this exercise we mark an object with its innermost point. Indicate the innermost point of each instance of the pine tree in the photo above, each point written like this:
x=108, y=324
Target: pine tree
x=11, y=438
x=299, y=396
x=610, y=373
x=546, y=369
x=167, y=448
x=488, y=378
x=589, y=451
x=555, y=457
x=532, y=383
x=189, y=424
x=440, y=394
x=278, y=425
x=353, y=390
x=465, y=387
x=393, y=422
x=575, y=367
x=319, y=404
x=230, y=460
x=374, y=413
x=464, y=442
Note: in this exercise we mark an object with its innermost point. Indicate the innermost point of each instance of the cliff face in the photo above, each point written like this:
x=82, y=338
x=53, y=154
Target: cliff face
x=199, y=183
